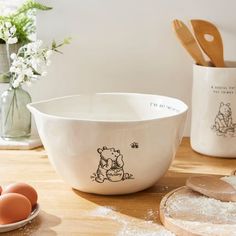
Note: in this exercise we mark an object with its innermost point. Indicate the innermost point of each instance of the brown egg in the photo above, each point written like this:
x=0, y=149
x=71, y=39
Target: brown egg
x=14, y=207
x=24, y=189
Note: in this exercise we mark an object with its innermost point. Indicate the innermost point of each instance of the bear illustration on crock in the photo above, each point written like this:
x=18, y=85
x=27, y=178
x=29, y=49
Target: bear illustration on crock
x=111, y=166
x=223, y=124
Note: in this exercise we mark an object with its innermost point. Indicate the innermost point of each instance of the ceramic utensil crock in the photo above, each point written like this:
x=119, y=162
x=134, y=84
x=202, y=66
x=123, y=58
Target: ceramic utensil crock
x=213, y=123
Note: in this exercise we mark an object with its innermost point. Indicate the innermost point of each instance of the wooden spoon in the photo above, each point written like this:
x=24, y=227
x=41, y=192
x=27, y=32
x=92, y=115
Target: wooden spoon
x=188, y=41
x=213, y=187
x=212, y=47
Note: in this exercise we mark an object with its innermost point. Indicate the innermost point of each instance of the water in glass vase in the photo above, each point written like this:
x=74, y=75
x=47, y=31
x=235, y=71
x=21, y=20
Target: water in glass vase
x=15, y=117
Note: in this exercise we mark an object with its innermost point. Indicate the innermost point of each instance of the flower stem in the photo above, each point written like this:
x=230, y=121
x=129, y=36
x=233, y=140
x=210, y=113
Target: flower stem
x=11, y=107
x=8, y=55
x=17, y=105
x=13, y=104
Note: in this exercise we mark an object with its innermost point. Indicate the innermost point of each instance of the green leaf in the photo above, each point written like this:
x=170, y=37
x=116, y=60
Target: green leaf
x=35, y=72
x=67, y=40
x=56, y=50
x=54, y=44
x=23, y=21
x=31, y=5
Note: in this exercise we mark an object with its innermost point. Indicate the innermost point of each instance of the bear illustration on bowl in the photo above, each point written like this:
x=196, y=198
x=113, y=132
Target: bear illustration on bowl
x=111, y=166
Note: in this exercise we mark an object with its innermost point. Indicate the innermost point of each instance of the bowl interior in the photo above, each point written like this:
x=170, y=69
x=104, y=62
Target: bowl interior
x=112, y=107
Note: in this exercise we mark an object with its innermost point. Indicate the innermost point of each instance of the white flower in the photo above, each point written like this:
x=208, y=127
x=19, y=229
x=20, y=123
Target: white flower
x=48, y=54
x=15, y=83
x=8, y=24
x=21, y=78
x=12, y=40
x=13, y=69
x=33, y=47
x=13, y=30
x=34, y=63
x=13, y=56
x=29, y=63
x=8, y=32
x=28, y=72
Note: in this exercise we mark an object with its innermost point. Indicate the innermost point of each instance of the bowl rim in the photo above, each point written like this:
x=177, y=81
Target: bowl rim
x=31, y=107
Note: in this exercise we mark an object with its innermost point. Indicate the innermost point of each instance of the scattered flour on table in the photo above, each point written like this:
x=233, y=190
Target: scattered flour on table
x=206, y=228
x=26, y=230
x=200, y=214
x=101, y=211
x=192, y=206
x=131, y=226
x=151, y=215
x=230, y=179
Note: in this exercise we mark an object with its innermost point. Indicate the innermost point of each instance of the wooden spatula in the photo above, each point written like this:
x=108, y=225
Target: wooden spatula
x=213, y=187
x=214, y=47
x=189, y=42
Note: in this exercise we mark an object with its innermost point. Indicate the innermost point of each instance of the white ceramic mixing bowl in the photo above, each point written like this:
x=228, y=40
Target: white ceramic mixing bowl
x=110, y=143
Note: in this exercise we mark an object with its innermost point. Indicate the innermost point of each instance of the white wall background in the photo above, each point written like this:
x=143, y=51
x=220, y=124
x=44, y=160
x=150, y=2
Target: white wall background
x=126, y=45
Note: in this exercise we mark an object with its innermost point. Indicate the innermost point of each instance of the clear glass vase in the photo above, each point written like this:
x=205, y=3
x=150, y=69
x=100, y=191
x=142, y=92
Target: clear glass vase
x=5, y=52
x=15, y=117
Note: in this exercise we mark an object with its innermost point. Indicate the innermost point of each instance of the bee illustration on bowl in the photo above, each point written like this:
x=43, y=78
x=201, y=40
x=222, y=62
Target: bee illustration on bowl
x=111, y=166
x=134, y=145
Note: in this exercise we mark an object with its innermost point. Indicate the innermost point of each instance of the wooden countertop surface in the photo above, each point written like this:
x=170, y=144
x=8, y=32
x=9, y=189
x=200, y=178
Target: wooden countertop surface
x=69, y=212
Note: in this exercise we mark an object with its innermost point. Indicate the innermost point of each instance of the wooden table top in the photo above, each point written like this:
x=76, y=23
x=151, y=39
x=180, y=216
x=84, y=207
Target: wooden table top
x=69, y=212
